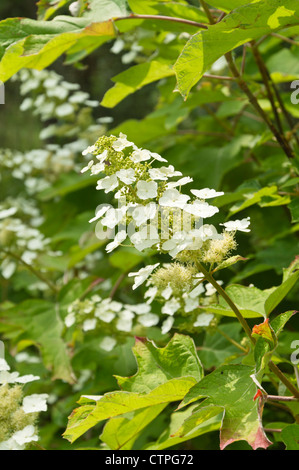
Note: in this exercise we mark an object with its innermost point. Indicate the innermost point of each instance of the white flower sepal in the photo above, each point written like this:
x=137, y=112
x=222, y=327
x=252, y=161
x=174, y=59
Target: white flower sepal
x=206, y=193
x=119, y=238
x=147, y=189
x=241, y=225
x=173, y=198
x=142, y=274
x=35, y=403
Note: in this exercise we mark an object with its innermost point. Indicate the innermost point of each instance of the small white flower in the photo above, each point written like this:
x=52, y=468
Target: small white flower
x=171, y=306
x=139, y=309
x=150, y=294
x=35, y=403
x=102, y=157
x=145, y=238
x=70, y=320
x=126, y=176
x=104, y=315
x=89, y=324
x=125, y=321
x=190, y=304
x=121, y=143
x=180, y=182
x=173, y=198
x=119, y=238
x=208, y=232
x=109, y=183
x=201, y=209
x=241, y=225
x=8, y=377
x=89, y=150
x=113, y=217
x=179, y=242
x=210, y=289
x=147, y=189
x=88, y=167
x=158, y=157
x=166, y=293
x=4, y=365
x=196, y=291
x=100, y=212
x=206, y=193
x=140, y=155
x=8, y=212
x=24, y=379
x=97, y=168
x=142, y=214
x=167, y=325
x=107, y=343
x=28, y=434
x=142, y=274
x=163, y=173
x=148, y=319
x=10, y=444
x=204, y=319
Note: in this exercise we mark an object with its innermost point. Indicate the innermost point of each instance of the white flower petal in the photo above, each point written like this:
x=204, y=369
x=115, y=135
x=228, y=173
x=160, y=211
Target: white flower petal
x=241, y=225
x=206, y=193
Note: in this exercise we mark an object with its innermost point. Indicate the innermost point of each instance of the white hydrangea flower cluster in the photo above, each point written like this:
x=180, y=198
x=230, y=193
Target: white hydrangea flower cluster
x=110, y=317
x=18, y=413
x=154, y=213
x=180, y=288
x=69, y=110
x=19, y=239
x=152, y=207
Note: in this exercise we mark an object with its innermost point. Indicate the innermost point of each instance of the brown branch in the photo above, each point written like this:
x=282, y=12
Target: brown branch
x=134, y=16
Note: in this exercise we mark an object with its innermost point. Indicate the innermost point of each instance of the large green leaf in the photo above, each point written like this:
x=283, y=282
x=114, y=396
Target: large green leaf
x=231, y=5
x=175, y=9
x=242, y=25
x=211, y=421
x=249, y=300
x=290, y=436
x=102, y=10
x=39, y=322
x=133, y=79
x=116, y=404
x=121, y=433
x=37, y=44
x=157, y=365
x=164, y=375
x=231, y=389
x=47, y=8
x=281, y=292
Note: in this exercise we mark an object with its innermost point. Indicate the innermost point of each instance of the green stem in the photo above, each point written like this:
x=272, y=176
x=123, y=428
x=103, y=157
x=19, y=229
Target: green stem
x=273, y=367
x=34, y=271
x=228, y=300
x=231, y=340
